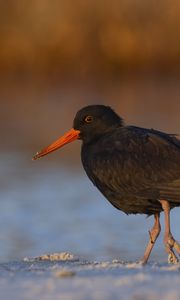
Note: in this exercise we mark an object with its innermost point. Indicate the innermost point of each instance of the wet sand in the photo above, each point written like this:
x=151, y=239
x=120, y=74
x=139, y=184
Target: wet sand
x=65, y=276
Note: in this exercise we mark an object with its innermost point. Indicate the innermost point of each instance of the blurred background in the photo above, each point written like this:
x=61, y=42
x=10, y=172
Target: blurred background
x=55, y=57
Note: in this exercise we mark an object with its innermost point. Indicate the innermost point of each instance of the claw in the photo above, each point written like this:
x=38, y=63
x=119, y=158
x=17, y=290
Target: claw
x=172, y=259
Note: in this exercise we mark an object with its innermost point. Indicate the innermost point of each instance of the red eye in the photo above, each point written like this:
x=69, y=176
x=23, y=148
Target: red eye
x=88, y=119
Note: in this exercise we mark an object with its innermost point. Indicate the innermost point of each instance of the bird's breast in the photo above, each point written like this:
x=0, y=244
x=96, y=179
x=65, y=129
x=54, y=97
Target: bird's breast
x=117, y=172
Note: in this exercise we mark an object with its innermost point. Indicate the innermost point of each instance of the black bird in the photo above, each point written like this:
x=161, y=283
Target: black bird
x=136, y=169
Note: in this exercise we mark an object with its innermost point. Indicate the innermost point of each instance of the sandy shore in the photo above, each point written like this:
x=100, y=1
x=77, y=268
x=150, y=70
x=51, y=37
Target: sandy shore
x=65, y=276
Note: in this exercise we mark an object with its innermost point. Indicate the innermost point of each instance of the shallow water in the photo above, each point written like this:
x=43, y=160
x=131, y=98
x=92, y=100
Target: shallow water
x=49, y=207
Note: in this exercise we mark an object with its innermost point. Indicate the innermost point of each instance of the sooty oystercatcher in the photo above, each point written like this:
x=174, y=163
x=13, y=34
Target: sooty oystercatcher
x=136, y=169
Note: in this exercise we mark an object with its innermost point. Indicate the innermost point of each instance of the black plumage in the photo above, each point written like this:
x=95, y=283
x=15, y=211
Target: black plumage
x=136, y=169
x=133, y=167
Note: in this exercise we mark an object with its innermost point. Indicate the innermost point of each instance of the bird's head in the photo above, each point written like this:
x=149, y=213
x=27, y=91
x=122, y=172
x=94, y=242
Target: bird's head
x=89, y=124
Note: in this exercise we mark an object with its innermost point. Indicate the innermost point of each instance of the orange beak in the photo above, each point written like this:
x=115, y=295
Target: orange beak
x=68, y=137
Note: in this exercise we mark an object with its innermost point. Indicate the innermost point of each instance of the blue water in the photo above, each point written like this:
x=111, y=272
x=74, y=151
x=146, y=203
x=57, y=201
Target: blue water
x=50, y=207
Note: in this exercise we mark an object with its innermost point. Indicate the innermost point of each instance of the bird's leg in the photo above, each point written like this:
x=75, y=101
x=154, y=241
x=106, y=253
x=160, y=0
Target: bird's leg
x=169, y=240
x=153, y=234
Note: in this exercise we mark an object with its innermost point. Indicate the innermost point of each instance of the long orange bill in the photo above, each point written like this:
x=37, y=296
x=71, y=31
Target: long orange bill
x=68, y=137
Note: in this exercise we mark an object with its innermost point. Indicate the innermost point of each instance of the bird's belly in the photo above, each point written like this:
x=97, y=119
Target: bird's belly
x=133, y=204
x=127, y=191
x=129, y=197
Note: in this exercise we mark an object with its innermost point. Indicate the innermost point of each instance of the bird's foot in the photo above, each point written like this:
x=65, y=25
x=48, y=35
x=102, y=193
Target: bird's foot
x=142, y=262
x=171, y=244
x=172, y=258
x=177, y=247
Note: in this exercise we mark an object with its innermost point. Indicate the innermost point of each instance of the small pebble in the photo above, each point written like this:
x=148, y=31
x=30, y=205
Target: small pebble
x=65, y=273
